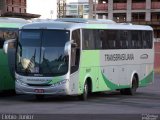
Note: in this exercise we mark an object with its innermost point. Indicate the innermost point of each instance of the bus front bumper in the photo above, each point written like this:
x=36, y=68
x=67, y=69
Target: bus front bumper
x=22, y=88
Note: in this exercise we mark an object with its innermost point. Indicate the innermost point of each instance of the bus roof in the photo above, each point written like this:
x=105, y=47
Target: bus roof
x=89, y=21
x=6, y=22
x=65, y=25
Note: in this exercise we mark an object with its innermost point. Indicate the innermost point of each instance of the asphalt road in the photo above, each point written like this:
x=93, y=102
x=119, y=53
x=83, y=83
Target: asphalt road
x=146, y=101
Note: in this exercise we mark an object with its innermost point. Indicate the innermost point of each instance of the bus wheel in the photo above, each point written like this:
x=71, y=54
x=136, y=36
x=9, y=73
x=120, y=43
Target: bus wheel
x=39, y=97
x=84, y=95
x=132, y=90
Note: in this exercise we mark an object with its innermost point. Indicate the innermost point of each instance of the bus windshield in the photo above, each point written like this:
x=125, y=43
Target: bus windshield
x=41, y=52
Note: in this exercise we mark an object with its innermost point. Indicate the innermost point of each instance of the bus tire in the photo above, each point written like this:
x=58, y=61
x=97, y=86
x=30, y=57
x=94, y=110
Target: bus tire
x=132, y=90
x=85, y=93
x=39, y=97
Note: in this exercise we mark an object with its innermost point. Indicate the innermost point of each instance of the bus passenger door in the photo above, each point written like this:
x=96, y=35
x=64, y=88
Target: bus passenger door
x=74, y=62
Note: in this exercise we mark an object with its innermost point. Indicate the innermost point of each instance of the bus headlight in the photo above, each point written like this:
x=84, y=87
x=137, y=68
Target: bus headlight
x=20, y=81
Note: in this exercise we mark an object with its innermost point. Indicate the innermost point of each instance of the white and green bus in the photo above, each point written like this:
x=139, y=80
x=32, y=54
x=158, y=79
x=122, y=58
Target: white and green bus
x=8, y=30
x=79, y=56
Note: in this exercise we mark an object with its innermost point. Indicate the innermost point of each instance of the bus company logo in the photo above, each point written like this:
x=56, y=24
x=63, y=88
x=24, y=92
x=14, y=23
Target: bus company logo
x=38, y=80
x=119, y=57
x=144, y=56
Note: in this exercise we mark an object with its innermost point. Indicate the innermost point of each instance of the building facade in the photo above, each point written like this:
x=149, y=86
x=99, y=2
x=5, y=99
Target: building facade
x=15, y=8
x=77, y=9
x=145, y=12
x=72, y=8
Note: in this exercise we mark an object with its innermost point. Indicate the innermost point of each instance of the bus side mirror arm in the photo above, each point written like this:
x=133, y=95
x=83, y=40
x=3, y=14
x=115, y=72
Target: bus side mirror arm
x=7, y=44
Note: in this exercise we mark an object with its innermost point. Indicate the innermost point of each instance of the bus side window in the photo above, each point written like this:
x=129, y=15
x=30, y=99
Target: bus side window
x=85, y=39
x=103, y=39
x=75, y=51
x=139, y=41
x=88, y=39
x=96, y=36
x=10, y=35
x=150, y=39
x=144, y=39
x=111, y=39
x=123, y=39
x=134, y=39
x=1, y=39
x=7, y=35
x=147, y=39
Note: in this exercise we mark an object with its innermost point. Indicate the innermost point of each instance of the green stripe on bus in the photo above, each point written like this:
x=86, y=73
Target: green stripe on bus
x=112, y=85
x=148, y=79
x=144, y=82
x=96, y=26
x=10, y=25
x=55, y=80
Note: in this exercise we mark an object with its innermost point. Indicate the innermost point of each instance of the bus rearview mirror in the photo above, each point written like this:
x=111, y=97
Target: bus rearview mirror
x=8, y=44
x=67, y=48
x=5, y=47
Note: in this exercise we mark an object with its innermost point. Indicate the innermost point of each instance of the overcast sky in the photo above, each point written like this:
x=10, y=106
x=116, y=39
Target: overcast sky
x=44, y=7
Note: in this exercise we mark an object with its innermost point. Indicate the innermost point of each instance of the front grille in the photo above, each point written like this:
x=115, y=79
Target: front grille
x=39, y=85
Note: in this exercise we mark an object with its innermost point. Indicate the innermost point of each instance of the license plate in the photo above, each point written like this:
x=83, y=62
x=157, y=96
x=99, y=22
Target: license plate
x=39, y=90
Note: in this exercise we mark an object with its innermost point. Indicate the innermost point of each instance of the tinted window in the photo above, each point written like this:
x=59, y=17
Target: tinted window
x=136, y=40
x=75, y=51
x=147, y=39
x=111, y=39
x=7, y=34
x=55, y=38
x=30, y=37
x=42, y=52
x=108, y=39
x=88, y=40
x=123, y=39
x=99, y=39
x=116, y=39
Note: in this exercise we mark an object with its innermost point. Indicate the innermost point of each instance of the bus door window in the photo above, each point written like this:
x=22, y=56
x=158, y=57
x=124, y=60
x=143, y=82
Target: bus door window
x=75, y=51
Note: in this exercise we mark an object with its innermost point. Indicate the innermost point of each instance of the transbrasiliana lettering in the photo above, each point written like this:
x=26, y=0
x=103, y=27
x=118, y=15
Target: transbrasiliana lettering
x=118, y=57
